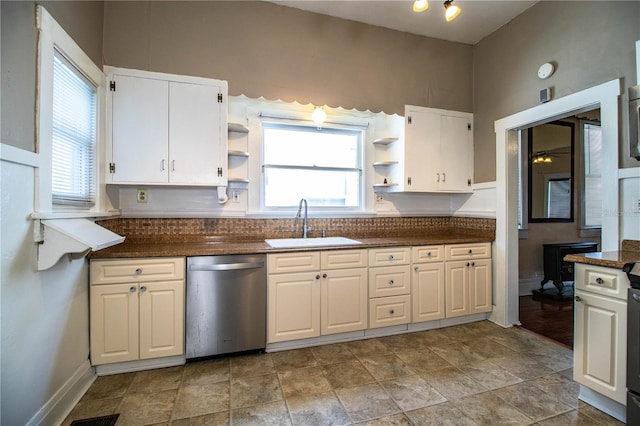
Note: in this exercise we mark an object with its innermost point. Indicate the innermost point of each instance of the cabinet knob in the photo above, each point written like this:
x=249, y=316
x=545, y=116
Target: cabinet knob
x=467, y=263
x=390, y=282
x=599, y=281
x=578, y=299
x=473, y=263
x=390, y=257
x=318, y=277
x=138, y=271
x=132, y=289
x=429, y=254
x=324, y=275
x=143, y=289
x=470, y=251
x=416, y=269
x=391, y=311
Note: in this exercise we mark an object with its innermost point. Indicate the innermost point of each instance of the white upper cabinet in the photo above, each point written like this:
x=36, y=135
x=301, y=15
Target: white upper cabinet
x=437, y=151
x=166, y=129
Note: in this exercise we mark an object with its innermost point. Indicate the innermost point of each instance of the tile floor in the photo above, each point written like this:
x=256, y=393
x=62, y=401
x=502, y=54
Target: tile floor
x=473, y=374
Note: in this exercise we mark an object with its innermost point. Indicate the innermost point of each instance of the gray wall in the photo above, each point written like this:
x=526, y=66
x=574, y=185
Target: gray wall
x=590, y=43
x=263, y=49
x=81, y=20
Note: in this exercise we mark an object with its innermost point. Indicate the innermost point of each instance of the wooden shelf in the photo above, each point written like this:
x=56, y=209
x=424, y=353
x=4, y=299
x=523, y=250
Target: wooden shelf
x=238, y=153
x=384, y=185
x=237, y=127
x=384, y=163
x=238, y=180
x=384, y=141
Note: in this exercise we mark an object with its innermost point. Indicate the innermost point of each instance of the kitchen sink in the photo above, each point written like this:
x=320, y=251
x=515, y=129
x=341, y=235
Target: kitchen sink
x=310, y=242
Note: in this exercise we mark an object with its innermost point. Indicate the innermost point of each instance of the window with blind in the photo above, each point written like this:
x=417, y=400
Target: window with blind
x=592, y=137
x=323, y=166
x=73, y=136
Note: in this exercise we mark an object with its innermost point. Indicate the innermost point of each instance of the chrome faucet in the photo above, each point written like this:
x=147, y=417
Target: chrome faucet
x=305, y=228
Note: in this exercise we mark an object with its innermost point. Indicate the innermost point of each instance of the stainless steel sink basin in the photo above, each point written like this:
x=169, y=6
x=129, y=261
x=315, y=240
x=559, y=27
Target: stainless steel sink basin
x=310, y=242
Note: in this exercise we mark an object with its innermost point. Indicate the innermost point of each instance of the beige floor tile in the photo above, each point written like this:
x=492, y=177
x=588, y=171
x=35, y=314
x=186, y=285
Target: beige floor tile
x=405, y=342
x=347, y=374
x=86, y=409
x=489, y=374
x=303, y=381
x=113, y=386
x=146, y=408
x=198, y=400
x=434, y=337
x=597, y=415
x=488, y=348
x=412, y=392
x=206, y=372
x=296, y=358
x=563, y=389
x=399, y=419
x=369, y=347
x=217, y=419
x=532, y=401
x=571, y=418
x=332, y=354
x=157, y=380
x=247, y=391
x=460, y=332
x=452, y=383
x=273, y=413
x=488, y=409
x=367, y=402
x=318, y=409
x=522, y=365
x=252, y=365
x=485, y=328
x=423, y=361
x=384, y=367
x=445, y=414
x=456, y=353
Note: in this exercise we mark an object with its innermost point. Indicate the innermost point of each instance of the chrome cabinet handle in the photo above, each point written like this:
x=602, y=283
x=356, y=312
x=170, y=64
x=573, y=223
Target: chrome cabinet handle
x=132, y=289
x=578, y=299
x=444, y=177
x=599, y=281
x=162, y=165
x=438, y=177
x=138, y=271
x=143, y=289
x=173, y=165
x=390, y=282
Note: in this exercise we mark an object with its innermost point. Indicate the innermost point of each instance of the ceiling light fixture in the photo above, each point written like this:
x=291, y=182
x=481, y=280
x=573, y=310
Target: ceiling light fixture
x=318, y=115
x=420, y=5
x=451, y=11
x=541, y=157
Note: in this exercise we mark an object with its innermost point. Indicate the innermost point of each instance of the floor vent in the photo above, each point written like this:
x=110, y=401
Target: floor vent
x=97, y=421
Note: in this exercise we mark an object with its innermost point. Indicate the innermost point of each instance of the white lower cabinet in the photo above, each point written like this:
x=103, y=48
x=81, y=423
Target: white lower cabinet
x=314, y=301
x=600, y=330
x=427, y=283
x=389, y=286
x=132, y=315
x=468, y=282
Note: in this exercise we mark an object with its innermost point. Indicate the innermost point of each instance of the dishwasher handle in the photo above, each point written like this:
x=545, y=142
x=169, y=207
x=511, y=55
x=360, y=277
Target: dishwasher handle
x=227, y=266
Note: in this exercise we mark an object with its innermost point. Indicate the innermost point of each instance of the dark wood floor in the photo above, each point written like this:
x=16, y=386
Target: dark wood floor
x=549, y=317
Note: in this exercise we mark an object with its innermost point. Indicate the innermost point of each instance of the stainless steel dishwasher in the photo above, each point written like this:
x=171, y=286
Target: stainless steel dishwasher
x=226, y=304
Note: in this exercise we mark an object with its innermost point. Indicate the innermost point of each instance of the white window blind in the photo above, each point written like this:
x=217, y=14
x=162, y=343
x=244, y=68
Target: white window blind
x=74, y=136
x=592, y=135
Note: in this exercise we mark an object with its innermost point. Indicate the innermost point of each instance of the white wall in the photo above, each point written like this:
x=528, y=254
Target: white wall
x=629, y=200
x=44, y=315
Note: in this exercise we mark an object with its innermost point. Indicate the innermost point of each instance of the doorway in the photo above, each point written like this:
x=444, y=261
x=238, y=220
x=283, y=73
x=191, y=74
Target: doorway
x=505, y=250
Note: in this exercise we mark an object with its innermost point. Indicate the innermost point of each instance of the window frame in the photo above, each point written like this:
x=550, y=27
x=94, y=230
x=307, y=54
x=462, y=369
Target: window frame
x=584, y=229
x=52, y=38
x=333, y=128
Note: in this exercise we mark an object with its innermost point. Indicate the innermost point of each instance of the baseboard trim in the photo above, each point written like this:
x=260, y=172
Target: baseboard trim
x=139, y=365
x=603, y=403
x=58, y=407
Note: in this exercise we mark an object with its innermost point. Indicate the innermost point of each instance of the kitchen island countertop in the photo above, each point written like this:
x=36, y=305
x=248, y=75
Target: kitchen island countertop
x=630, y=252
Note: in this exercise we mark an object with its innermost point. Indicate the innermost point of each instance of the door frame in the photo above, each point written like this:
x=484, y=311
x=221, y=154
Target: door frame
x=505, y=248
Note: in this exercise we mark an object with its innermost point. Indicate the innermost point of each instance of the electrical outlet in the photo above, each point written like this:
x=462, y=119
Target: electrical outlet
x=235, y=197
x=143, y=197
x=379, y=199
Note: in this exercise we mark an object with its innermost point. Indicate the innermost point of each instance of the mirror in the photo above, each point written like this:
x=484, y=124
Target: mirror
x=551, y=176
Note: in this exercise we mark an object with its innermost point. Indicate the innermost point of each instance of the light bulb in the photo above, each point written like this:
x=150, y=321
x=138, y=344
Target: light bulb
x=318, y=115
x=451, y=10
x=420, y=5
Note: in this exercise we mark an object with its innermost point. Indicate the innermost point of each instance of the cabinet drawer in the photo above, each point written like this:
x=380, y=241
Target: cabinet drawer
x=386, y=311
x=467, y=251
x=293, y=262
x=427, y=254
x=389, y=281
x=597, y=279
x=389, y=256
x=127, y=270
x=341, y=259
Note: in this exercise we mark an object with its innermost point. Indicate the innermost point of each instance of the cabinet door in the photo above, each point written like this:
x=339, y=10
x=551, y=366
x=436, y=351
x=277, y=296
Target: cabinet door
x=140, y=111
x=343, y=301
x=114, y=323
x=600, y=344
x=456, y=153
x=480, y=294
x=422, y=150
x=161, y=319
x=294, y=306
x=194, y=135
x=456, y=289
x=427, y=284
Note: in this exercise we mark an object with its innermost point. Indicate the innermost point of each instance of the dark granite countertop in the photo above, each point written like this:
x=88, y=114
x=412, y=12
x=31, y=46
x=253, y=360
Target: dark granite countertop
x=167, y=246
x=630, y=252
